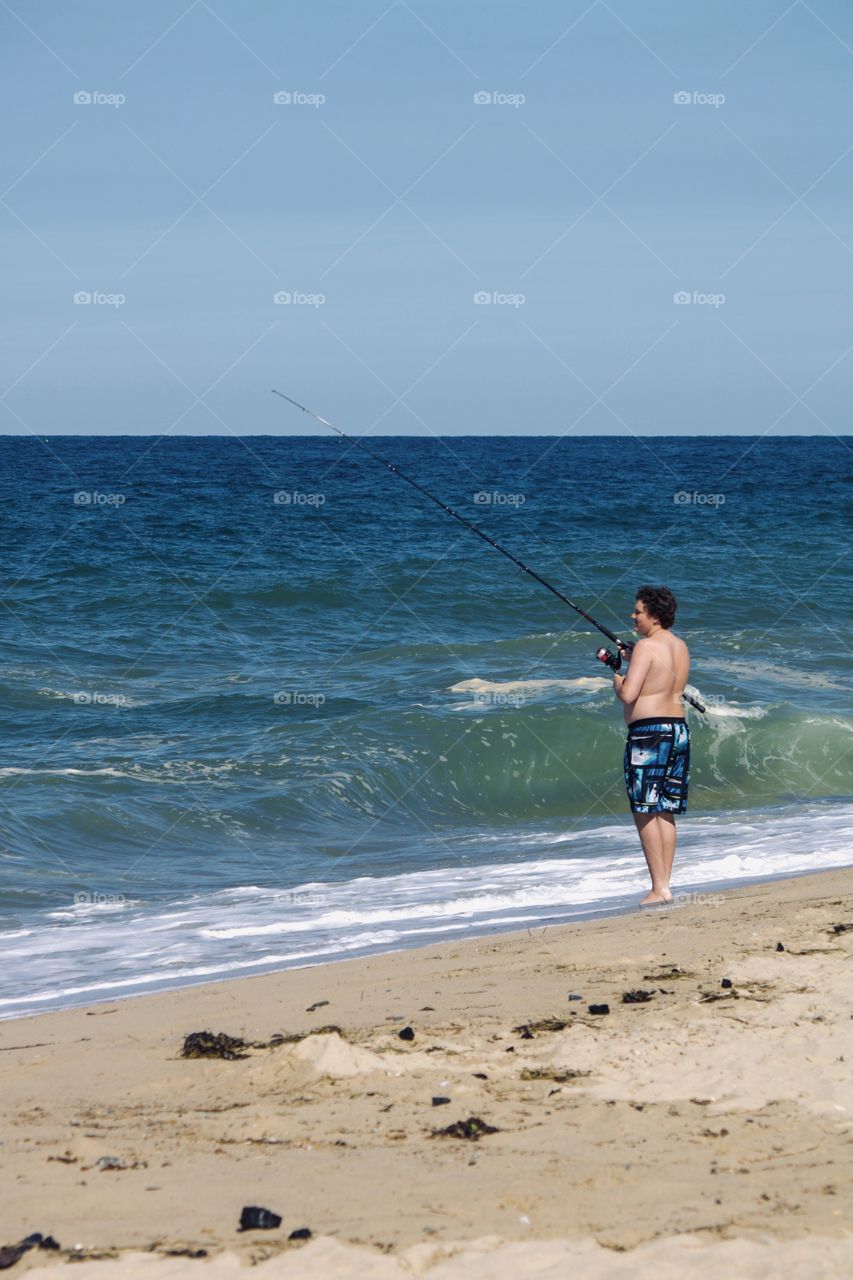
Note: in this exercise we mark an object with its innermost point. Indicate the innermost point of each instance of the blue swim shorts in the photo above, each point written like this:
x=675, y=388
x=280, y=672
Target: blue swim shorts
x=657, y=765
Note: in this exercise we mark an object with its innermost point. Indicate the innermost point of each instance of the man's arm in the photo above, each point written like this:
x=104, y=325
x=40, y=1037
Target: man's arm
x=628, y=688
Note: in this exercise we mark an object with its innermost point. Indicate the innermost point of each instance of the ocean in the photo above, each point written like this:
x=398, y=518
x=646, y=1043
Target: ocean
x=263, y=705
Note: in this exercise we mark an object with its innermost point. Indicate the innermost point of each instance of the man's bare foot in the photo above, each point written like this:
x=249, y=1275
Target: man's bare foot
x=654, y=899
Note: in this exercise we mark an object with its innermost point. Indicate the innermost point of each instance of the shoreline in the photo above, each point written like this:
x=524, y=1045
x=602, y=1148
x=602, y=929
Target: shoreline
x=263, y=968
x=719, y=1115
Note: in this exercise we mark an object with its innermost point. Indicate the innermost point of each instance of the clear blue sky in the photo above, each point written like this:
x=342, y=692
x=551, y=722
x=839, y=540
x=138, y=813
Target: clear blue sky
x=399, y=197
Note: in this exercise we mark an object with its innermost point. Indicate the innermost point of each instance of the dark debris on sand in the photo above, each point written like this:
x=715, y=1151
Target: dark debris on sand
x=472, y=1129
x=204, y=1044
x=558, y=1076
x=12, y=1253
x=255, y=1218
x=527, y=1030
x=667, y=971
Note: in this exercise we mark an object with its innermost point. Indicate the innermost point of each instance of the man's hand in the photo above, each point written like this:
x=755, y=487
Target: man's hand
x=618, y=682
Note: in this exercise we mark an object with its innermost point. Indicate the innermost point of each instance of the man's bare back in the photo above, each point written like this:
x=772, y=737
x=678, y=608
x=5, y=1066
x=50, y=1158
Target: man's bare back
x=657, y=674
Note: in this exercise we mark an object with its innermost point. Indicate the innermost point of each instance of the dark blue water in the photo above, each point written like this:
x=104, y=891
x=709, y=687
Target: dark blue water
x=263, y=703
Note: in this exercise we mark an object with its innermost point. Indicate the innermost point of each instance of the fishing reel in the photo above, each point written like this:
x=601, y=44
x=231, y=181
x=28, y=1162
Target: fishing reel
x=610, y=659
x=614, y=660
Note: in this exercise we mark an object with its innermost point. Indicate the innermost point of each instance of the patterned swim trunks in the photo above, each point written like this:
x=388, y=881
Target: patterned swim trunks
x=657, y=765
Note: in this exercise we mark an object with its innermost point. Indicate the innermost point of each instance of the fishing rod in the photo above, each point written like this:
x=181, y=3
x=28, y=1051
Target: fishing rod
x=614, y=661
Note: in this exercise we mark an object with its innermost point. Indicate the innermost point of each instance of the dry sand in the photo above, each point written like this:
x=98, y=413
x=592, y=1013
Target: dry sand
x=705, y=1131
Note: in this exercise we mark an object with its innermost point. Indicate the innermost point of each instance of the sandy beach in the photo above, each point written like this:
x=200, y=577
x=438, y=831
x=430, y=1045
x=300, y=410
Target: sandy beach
x=700, y=1126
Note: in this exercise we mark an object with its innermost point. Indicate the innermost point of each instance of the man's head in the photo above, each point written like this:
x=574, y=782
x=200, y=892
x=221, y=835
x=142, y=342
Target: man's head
x=654, y=606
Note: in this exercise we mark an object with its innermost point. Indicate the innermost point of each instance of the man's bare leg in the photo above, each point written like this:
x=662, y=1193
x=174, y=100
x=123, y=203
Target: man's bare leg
x=666, y=827
x=652, y=839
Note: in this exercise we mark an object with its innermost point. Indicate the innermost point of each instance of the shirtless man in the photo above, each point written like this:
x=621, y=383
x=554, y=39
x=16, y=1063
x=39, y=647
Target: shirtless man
x=657, y=752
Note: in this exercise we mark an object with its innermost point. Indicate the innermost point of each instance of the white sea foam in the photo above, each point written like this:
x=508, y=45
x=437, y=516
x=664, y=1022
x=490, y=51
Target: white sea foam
x=10, y=770
x=531, y=878
x=173, y=771
x=508, y=692
x=102, y=697
x=731, y=709
x=527, y=686
x=775, y=673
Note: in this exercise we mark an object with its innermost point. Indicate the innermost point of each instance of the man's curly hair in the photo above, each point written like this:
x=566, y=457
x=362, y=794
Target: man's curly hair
x=660, y=604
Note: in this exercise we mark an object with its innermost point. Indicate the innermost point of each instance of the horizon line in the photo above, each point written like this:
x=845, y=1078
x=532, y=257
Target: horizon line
x=482, y=435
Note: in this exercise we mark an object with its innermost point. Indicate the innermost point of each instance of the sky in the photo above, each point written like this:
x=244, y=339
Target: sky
x=446, y=217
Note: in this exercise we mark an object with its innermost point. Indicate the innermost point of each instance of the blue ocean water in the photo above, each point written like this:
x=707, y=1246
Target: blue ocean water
x=263, y=704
